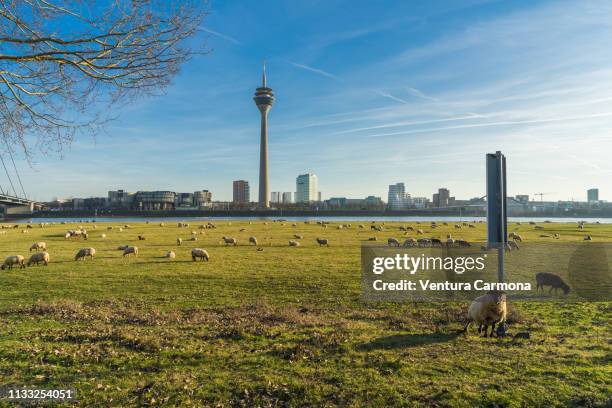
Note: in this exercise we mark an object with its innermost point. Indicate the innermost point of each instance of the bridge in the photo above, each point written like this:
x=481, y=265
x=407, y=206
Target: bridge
x=12, y=203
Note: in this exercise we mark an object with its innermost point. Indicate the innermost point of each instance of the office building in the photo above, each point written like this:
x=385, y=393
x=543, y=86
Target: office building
x=397, y=199
x=287, y=197
x=592, y=195
x=202, y=198
x=306, y=188
x=275, y=197
x=242, y=192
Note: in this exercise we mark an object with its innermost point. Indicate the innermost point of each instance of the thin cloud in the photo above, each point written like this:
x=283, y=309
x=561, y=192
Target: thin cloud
x=421, y=95
x=223, y=36
x=392, y=97
x=493, y=124
x=313, y=69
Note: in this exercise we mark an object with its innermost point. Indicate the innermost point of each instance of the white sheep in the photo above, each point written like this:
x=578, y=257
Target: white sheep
x=103, y=236
x=12, y=260
x=199, y=253
x=131, y=250
x=84, y=252
x=179, y=241
x=488, y=309
x=294, y=243
x=170, y=255
x=253, y=240
x=38, y=246
x=39, y=257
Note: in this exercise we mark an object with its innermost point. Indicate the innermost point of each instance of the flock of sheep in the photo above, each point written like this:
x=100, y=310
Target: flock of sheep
x=487, y=310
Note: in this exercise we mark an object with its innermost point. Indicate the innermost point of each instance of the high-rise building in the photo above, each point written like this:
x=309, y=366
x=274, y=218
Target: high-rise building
x=275, y=197
x=242, y=192
x=397, y=199
x=264, y=98
x=120, y=198
x=306, y=188
x=593, y=194
x=441, y=198
x=287, y=197
x=202, y=198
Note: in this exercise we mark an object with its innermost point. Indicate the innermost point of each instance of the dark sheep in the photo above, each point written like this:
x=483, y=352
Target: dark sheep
x=549, y=279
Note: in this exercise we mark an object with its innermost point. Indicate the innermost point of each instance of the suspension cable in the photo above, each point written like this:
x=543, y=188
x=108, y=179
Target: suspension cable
x=15, y=167
x=8, y=176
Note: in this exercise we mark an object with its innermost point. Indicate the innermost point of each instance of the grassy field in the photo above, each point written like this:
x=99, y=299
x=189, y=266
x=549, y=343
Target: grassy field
x=280, y=327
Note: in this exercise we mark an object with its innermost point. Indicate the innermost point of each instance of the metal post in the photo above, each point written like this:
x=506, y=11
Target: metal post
x=497, y=222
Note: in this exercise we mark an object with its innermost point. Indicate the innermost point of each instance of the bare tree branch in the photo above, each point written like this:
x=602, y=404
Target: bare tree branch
x=64, y=64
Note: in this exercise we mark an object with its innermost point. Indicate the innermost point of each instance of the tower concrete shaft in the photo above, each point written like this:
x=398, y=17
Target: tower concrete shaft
x=264, y=98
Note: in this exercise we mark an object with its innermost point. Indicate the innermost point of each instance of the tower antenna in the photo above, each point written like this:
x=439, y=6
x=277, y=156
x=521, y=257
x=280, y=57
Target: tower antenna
x=263, y=75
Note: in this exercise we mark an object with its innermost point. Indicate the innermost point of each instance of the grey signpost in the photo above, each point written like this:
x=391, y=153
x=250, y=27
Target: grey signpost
x=497, y=221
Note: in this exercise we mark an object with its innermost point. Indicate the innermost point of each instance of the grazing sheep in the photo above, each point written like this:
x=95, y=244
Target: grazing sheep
x=419, y=232
x=410, y=243
x=84, y=252
x=199, y=253
x=393, y=242
x=130, y=250
x=548, y=279
x=109, y=228
x=253, y=240
x=294, y=243
x=39, y=257
x=361, y=226
x=179, y=241
x=67, y=235
x=297, y=236
x=409, y=228
x=161, y=224
x=194, y=238
x=515, y=236
x=12, y=260
x=471, y=226
x=322, y=241
x=462, y=243
x=435, y=242
x=141, y=238
x=512, y=245
x=489, y=309
x=557, y=236
x=588, y=238
x=532, y=223
x=170, y=255
x=457, y=226
x=372, y=239
x=424, y=242
x=581, y=226
x=230, y=241
x=38, y=246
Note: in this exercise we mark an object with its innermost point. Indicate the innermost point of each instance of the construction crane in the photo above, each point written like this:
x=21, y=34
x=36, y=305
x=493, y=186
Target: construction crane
x=542, y=195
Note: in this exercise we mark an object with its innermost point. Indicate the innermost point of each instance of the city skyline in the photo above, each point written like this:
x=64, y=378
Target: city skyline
x=434, y=75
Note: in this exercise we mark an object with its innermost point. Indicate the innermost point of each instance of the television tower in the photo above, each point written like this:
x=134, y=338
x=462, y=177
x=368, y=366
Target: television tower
x=264, y=98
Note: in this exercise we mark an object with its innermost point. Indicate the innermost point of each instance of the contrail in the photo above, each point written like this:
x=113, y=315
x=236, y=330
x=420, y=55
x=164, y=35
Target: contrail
x=313, y=69
x=218, y=34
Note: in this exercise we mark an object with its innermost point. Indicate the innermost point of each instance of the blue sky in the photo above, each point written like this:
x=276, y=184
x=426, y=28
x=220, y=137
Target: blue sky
x=369, y=94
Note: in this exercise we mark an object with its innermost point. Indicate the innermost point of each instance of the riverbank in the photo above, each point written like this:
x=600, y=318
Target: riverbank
x=431, y=213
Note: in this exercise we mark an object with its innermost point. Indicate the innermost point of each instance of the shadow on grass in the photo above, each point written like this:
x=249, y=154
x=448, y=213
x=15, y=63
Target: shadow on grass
x=407, y=340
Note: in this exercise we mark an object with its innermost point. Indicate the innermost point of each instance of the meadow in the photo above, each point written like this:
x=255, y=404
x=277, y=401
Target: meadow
x=278, y=326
